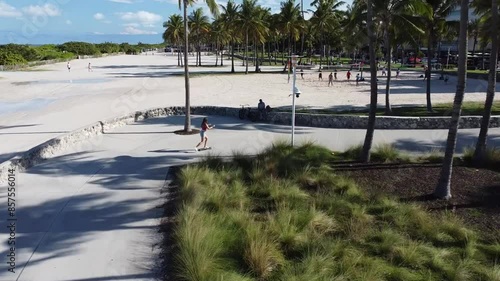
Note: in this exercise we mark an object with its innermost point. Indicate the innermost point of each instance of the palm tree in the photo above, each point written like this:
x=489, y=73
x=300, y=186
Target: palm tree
x=229, y=19
x=474, y=32
x=324, y=19
x=218, y=36
x=435, y=22
x=443, y=189
x=260, y=31
x=249, y=21
x=173, y=32
x=199, y=25
x=290, y=22
x=214, y=10
x=365, y=156
x=392, y=15
x=479, y=153
x=396, y=15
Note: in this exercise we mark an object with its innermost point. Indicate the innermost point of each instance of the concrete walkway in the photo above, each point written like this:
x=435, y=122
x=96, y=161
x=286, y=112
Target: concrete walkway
x=91, y=213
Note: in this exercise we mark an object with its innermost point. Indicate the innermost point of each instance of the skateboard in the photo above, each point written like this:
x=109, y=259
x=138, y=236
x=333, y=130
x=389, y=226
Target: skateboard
x=206, y=148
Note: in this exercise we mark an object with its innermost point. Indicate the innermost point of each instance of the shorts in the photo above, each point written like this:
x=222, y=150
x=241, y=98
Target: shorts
x=203, y=134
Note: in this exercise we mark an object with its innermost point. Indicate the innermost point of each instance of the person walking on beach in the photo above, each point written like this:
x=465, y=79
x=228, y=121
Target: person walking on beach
x=348, y=75
x=357, y=79
x=204, y=139
x=69, y=67
x=335, y=74
x=302, y=73
x=330, y=79
x=397, y=73
x=320, y=76
x=384, y=73
x=90, y=67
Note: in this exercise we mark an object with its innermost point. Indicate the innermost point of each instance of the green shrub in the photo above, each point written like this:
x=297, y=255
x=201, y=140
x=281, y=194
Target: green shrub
x=8, y=58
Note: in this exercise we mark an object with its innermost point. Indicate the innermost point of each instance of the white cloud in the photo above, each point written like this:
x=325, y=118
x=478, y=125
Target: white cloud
x=133, y=24
x=135, y=31
x=143, y=17
x=68, y=22
x=122, y=1
x=99, y=16
x=7, y=11
x=45, y=10
x=98, y=33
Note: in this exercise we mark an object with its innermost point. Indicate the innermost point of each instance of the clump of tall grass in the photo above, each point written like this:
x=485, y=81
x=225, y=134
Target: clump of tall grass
x=434, y=156
x=491, y=158
x=353, y=152
x=261, y=254
x=388, y=153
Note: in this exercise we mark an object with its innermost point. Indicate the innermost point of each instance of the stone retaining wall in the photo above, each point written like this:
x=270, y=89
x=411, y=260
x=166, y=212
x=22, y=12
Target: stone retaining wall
x=46, y=150
x=353, y=121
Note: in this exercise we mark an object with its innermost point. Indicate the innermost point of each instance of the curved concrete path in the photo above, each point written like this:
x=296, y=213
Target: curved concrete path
x=91, y=213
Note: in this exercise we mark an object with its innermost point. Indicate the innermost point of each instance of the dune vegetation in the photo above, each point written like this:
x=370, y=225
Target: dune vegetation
x=285, y=214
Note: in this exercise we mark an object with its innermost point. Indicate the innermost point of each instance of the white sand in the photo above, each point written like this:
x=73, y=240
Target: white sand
x=38, y=105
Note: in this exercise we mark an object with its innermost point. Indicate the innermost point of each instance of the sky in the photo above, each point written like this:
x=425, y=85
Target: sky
x=57, y=21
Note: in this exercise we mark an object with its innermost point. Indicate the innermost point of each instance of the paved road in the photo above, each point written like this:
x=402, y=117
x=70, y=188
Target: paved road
x=90, y=213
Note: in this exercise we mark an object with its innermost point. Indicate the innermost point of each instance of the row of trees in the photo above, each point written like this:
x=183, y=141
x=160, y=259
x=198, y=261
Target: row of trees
x=487, y=10
x=13, y=54
x=381, y=24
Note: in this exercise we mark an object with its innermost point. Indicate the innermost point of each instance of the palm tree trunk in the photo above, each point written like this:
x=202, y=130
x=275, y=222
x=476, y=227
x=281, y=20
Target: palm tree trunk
x=187, y=120
x=263, y=53
x=255, y=55
x=232, y=57
x=388, y=108
x=216, y=55
x=365, y=156
x=199, y=53
x=246, y=49
x=443, y=189
x=429, y=69
x=179, y=58
x=222, y=55
x=479, y=153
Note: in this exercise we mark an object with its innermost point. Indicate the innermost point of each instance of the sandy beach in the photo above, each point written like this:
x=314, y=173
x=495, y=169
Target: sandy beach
x=49, y=100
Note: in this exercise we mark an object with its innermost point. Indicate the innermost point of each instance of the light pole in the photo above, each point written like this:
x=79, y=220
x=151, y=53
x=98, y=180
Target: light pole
x=295, y=93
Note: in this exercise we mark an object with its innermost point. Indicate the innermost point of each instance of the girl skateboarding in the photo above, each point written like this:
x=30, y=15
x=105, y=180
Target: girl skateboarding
x=204, y=139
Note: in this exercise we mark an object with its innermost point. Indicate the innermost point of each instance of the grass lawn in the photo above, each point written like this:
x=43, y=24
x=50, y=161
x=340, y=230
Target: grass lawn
x=440, y=109
x=288, y=214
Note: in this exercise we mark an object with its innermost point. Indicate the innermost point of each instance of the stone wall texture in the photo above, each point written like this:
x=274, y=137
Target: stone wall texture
x=46, y=150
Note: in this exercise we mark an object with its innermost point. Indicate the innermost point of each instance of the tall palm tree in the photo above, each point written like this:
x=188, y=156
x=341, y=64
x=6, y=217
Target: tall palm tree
x=394, y=15
x=365, y=156
x=443, y=189
x=229, y=19
x=290, y=22
x=325, y=19
x=435, y=22
x=173, y=32
x=218, y=35
x=391, y=15
x=199, y=26
x=249, y=21
x=212, y=5
x=479, y=153
x=260, y=31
